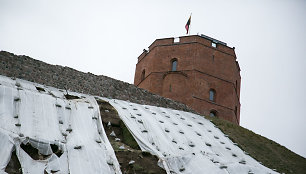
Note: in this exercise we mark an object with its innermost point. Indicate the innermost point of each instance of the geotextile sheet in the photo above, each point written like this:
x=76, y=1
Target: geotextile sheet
x=185, y=142
x=51, y=134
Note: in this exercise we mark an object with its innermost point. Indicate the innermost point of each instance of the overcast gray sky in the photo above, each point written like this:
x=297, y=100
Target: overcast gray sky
x=106, y=37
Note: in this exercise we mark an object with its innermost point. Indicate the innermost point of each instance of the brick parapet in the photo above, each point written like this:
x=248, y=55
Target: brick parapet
x=192, y=39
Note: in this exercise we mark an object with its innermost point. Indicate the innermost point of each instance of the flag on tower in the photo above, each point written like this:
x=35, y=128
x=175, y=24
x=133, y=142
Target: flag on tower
x=188, y=24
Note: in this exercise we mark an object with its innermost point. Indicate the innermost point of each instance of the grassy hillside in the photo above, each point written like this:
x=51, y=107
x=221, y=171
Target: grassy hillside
x=270, y=153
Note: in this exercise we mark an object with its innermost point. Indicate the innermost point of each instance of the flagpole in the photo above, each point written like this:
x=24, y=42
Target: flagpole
x=190, y=24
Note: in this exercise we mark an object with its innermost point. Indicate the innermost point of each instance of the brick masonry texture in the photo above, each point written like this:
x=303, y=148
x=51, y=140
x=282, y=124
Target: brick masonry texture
x=200, y=68
x=24, y=67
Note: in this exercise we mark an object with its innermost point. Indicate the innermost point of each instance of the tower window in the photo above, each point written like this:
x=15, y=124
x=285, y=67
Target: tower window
x=213, y=113
x=236, y=110
x=143, y=75
x=212, y=95
x=174, y=65
x=213, y=44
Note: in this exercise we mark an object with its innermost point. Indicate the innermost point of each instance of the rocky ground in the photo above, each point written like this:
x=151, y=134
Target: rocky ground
x=131, y=159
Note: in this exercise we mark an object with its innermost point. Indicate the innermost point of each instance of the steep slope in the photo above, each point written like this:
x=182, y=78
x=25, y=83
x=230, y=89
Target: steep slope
x=131, y=159
x=54, y=132
x=184, y=142
x=49, y=133
x=268, y=152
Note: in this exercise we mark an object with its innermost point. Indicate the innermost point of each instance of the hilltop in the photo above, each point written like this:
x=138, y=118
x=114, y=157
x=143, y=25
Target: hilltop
x=267, y=152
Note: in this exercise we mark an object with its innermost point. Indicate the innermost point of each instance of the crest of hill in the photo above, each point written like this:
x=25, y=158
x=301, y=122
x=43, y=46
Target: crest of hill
x=57, y=76
x=270, y=153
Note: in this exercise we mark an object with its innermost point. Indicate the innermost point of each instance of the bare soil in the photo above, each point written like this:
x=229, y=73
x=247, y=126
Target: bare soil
x=131, y=159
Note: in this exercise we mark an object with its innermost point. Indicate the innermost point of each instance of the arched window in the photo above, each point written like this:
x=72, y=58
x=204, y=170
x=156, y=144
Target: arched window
x=143, y=75
x=212, y=95
x=213, y=113
x=173, y=64
x=236, y=110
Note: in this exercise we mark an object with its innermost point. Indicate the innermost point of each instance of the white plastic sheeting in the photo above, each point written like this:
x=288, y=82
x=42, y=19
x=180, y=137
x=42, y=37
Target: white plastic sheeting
x=42, y=117
x=185, y=142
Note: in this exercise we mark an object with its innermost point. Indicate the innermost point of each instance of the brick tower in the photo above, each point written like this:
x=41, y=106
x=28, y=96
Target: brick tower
x=196, y=70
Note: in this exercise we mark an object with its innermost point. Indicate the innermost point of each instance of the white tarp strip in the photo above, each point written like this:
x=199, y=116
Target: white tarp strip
x=6, y=147
x=186, y=142
x=45, y=117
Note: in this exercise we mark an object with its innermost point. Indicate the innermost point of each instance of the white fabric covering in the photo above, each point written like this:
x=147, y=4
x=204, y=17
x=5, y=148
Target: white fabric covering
x=185, y=142
x=41, y=118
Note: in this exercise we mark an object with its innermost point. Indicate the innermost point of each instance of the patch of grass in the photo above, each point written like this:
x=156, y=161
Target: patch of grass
x=144, y=153
x=110, y=114
x=137, y=167
x=127, y=137
x=14, y=165
x=270, y=153
x=151, y=172
x=102, y=102
x=116, y=146
x=106, y=106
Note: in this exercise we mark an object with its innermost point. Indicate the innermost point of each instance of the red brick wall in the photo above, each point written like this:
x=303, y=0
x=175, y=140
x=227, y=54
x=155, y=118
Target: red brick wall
x=200, y=68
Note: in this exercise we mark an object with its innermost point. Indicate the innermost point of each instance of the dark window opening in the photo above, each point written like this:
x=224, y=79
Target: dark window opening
x=174, y=65
x=143, y=75
x=212, y=95
x=236, y=110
